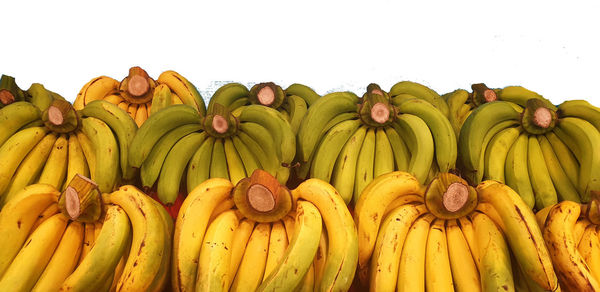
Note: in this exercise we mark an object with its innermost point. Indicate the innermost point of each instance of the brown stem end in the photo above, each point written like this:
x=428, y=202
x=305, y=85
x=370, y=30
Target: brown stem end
x=542, y=117
x=219, y=124
x=455, y=197
x=55, y=116
x=6, y=97
x=138, y=85
x=263, y=192
x=380, y=113
x=266, y=96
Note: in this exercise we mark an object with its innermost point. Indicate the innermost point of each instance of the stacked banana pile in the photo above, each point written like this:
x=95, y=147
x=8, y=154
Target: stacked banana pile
x=140, y=95
x=350, y=141
x=224, y=143
x=448, y=235
x=74, y=242
x=52, y=146
x=292, y=103
x=572, y=236
x=545, y=153
x=260, y=236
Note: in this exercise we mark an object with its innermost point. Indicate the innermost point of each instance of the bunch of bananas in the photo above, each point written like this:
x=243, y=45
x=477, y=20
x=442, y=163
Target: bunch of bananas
x=259, y=236
x=571, y=234
x=404, y=90
x=545, y=153
x=349, y=141
x=292, y=103
x=140, y=95
x=73, y=242
x=52, y=146
x=224, y=144
x=448, y=235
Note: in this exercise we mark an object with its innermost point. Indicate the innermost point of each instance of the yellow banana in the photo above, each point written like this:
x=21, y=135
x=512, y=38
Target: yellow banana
x=183, y=89
x=438, y=273
x=47, y=213
x=29, y=264
x=240, y=240
x=190, y=227
x=364, y=165
x=320, y=258
x=215, y=254
x=411, y=270
x=161, y=98
x=63, y=260
x=76, y=163
x=96, y=88
x=517, y=172
x=278, y=242
x=114, y=98
x=466, y=226
x=251, y=269
x=495, y=267
x=141, y=115
x=589, y=248
x=565, y=189
x=567, y=158
x=162, y=277
x=384, y=155
x=18, y=216
x=464, y=271
x=579, y=229
x=88, y=241
x=543, y=188
x=89, y=153
x=55, y=170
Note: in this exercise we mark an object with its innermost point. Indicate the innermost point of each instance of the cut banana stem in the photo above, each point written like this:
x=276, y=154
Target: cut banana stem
x=542, y=117
x=380, y=113
x=6, y=97
x=455, y=197
x=55, y=116
x=263, y=191
x=450, y=197
x=482, y=94
x=219, y=124
x=266, y=96
x=138, y=85
x=81, y=200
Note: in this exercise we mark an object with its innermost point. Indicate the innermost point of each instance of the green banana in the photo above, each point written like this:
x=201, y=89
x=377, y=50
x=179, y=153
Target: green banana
x=227, y=95
x=497, y=151
x=419, y=91
x=567, y=158
x=477, y=175
x=161, y=98
x=107, y=153
x=307, y=93
x=517, y=172
x=364, y=164
x=14, y=116
x=198, y=169
x=545, y=194
x=565, y=189
x=384, y=156
x=344, y=171
x=248, y=158
x=218, y=163
x=297, y=107
x=580, y=109
x=520, y=95
x=401, y=152
x=419, y=140
x=330, y=147
x=39, y=96
x=455, y=101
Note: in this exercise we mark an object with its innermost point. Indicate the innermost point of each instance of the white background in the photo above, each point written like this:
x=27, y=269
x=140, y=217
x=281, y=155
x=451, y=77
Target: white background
x=548, y=47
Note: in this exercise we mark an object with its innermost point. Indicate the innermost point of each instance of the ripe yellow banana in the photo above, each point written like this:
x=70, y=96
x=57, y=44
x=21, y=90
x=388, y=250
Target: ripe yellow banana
x=543, y=188
x=388, y=247
x=411, y=270
x=29, y=264
x=18, y=216
x=466, y=226
x=589, y=248
x=251, y=269
x=184, y=89
x=63, y=261
x=240, y=240
x=162, y=277
x=567, y=158
x=438, y=272
x=96, y=88
x=88, y=151
x=76, y=163
x=320, y=259
x=49, y=212
x=278, y=242
x=190, y=227
x=215, y=254
x=88, y=241
x=55, y=170
x=464, y=270
x=98, y=266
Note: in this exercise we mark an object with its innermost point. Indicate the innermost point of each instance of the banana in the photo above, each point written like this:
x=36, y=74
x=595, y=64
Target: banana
x=235, y=164
x=320, y=259
x=89, y=237
x=466, y=226
x=580, y=109
x=399, y=148
x=251, y=270
x=198, y=169
x=88, y=151
x=132, y=111
x=437, y=263
x=522, y=232
x=372, y=204
x=495, y=267
x=228, y=94
x=215, y=255
x=63, y=261
x=148, y=246
x=517, y=172
x=307, y=284
x=47, y=213
x=184, y=89
x=587, y=138
x=278, y=243
x=122, y=125
x=420, y=144
x=259, y=141
x=330, y=148
x=106, y=152
x=545, y=194
x=97, y=267
x=344, y=170
x=124, y=105
x=520, y=95
x=141, y=115
x=570, y=266
x=342, y=253
x=589, y=248
x=30, y=167
x=464, y=270
x=18, y=217
x=456, y=100
x=29, y=264
x=389, y=244
x=419, y=91
x=14, y=150
x=55, y=170
x=161, y=98
x=411, y=270
x=475, y=128
x=567, y=160
x=175, y=164
x=384, y=155
x=566, y=190
x=238, y=247
x=443, y=133
x=578, y=229
x=364, y=165
x=76, y=163
x=298, y=108
x=299, y=256
x=318, y=115
x=114, y=99
x=307, y=93
x=496, y=153
x=248, y=158
x=150, y=169
x=39, y=96
x=158, y=125
x=190, y=227
x=218, y=163
x=476, y=176
x=95, y=89
x=14, y=116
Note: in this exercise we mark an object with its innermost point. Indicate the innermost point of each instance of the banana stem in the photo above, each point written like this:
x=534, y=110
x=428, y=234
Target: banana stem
x=482, y=94
x=60, y=117
x=8, y=90
x=137, y=84
x=55, y=115
x=219, y=124
x=542, y=117
x=263, y=191
x=81, y=200
x=455, y=197
x=380, y=113
x=266, y=96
